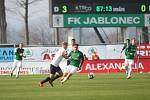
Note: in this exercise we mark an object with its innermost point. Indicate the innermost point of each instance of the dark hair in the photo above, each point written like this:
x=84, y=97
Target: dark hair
x=127, y=39
x=73, y=40
x=75, y=44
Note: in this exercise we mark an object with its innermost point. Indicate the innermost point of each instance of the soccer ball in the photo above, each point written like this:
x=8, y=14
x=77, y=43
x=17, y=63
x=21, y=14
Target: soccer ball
x=90, y=75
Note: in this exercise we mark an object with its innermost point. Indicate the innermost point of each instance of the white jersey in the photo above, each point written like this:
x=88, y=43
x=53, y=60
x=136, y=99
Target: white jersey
x=58, y=57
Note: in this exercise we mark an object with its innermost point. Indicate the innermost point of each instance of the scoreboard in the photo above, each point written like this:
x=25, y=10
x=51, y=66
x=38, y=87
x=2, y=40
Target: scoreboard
x=100, y=13
x=100, y=6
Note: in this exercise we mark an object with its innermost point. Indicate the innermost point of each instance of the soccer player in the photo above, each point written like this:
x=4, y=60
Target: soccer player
x=130, y=52
x=73, y=41
x=18, y=60
x=95, y=56
x=76, y=61
x=54, y=66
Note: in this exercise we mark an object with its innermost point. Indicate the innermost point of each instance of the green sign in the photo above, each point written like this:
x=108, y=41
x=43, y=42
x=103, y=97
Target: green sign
x=100, y=20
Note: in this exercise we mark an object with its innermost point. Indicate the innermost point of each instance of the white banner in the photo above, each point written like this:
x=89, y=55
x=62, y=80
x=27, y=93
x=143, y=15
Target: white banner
x=26, y=69
x=38, y=59
x=48, y=53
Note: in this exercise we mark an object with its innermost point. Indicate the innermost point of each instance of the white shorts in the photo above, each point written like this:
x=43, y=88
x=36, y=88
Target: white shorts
x=71, y=69
x=17, y=63
x=129, y=62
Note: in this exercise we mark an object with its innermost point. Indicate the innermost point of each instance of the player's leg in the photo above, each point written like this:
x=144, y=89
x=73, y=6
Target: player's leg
x=66, y=78
x=65, y=73
x=56, y=76
x=19, y=65
x=131, y=62
x=71, y=72
x=127, y=69
x=126, y=66
x=48, y=79
x=14, y=67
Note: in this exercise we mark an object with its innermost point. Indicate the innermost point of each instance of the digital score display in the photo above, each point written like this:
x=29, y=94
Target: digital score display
x=100, y=13
x=101, y=6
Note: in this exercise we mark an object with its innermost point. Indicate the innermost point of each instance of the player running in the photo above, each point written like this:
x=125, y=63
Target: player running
x=18, y=60
x=76, y=61
x=130, y=52
x=54, y=66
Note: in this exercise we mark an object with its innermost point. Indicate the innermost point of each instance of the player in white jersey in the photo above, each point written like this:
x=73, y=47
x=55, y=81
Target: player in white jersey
x=54, y=66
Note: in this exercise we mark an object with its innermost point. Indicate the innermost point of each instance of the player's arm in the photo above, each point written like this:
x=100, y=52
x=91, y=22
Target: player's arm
x=17, y=52
x=123, y=48
x=69, y=55
x=81, y=61
x=64, y=54
x=22, y=54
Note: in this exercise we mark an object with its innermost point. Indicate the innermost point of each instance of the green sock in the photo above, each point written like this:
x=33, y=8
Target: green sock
x=55, y=77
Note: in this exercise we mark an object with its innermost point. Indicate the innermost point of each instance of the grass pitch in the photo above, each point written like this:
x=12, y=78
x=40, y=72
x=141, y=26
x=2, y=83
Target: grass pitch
x=78, y=87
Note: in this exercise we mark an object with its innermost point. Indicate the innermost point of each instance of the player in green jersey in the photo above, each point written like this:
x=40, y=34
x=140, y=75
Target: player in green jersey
x=130, y=52
x=18, y=60
x=76, y=61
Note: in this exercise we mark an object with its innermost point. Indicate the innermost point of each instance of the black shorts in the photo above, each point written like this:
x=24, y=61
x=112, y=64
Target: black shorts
x=54, y=69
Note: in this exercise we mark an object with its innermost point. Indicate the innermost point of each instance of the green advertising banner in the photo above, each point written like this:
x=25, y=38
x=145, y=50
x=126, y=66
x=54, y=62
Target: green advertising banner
x=103, y=20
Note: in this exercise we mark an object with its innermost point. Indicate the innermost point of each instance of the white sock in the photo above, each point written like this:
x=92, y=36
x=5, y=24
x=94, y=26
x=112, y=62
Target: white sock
x=126, y=71
x=65, y=78
x=17, y=72
x=129, y=72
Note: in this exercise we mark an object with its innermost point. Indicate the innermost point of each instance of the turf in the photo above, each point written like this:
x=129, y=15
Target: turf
x=78, y=87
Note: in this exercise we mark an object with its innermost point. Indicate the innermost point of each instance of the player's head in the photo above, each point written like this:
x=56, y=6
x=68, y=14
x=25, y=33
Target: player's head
x=84, y=55
x=21, y=45
x=127, y=41
x=94, y=53
x=75, y=47
x=73, y=41
x=64, y=45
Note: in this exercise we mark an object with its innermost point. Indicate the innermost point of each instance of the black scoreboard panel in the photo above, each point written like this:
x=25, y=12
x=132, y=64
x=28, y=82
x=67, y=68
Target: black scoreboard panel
x=101, y=6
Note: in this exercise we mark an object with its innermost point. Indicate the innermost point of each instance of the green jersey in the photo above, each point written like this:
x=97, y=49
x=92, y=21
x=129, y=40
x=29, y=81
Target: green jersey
x=76, y=57
x=125, y=46
x=19, y=54
x=130, y=51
